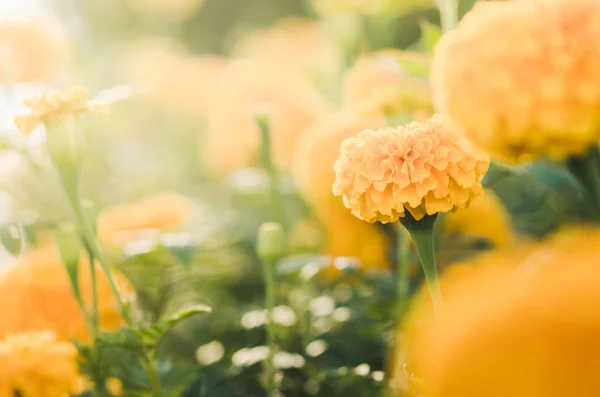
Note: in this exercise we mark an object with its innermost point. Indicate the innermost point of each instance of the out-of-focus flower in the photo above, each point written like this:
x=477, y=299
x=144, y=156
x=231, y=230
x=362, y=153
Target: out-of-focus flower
x=248, y=87
x=170, y=77
x=35, y=363
x=380, y=82
x=56, y=107
x=297, y=44
x=523, y=77
x=424, y=168
x=114, y=386
x=126, y=222
x=32, y=51
x=314, y=157
x=521, y=321
x=172, y=9
x=368, y=7
x=486, y=218
x=37, y=294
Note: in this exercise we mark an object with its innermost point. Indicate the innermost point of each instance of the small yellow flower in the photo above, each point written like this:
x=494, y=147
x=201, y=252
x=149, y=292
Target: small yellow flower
x=517, y=322
x=54, y=108
x=424, y=168
x=379, y=82
x=36, y=364
x=32, y=51
x=486, y=218
x=314, y=157
x=523, y=77
x=114, y=386
x=37, y=294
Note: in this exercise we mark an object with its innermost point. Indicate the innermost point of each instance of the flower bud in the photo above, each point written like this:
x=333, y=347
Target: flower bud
x=269, y=243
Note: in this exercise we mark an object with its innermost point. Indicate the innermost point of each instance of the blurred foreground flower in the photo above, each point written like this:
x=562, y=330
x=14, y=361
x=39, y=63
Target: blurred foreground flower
x=32, y=51
x=55, y=108
x=170, y=77
x=523, y=77
x=367, y=7
x=37, y=294
x=248, y=87
x=314, y=157
x=35, y=364
x=176, y=9
x=515, y=322
x=424, y=168
x=126, y=222
x=379, y=82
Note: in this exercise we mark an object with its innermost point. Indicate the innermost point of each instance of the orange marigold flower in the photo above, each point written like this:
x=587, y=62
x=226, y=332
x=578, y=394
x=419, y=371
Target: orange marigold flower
x=126, y=222
x=35, y=364
x=55, y=107
x=314, y=157
x=379, y=82
x=32, y=51
x=424, y=168
x=522, y=77
x=249, y=86
x=37, y=294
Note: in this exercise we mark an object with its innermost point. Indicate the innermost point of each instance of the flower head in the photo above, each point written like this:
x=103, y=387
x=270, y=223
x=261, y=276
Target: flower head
x=523, y=77
x=424, y=168
x=37, y=294
x=55, y=107
x=32, y=51
x=35, y=363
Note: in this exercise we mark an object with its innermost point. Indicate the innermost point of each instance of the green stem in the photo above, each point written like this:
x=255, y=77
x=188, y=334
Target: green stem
x=424, y=243
x=95, y=315
x=269, y=278
x=153, y=377
x=267, y=162
x=448, y=14
x=402, y=258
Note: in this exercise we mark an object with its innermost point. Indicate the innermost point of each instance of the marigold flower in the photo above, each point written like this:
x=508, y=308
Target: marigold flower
x=177, y=9
x=55, y=107
x=424, y=168
x=37, y=294
x=297, y=44
x=522, y=77
x=492, y=223
x=314, y=157
x=35, y=363
x=122, y=223
x=379, y=82
x=32, y=51
x=247, y=87
x=516, y=322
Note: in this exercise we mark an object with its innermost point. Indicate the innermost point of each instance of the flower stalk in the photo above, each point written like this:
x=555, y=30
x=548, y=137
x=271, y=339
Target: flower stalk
x=403, y=265
x=448, y=14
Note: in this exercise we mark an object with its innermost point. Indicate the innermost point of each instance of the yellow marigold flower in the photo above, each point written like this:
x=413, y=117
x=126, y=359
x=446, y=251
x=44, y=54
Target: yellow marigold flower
x=249, y=86
x=35, y=364
x=486, y=218
x=522, y=77
x=177, y=9
x=297, y=44
x=37, y=294
x=314, y=157
x=172, y=78
x=32, y=51
x=55, y=107
x=424, y=168
x=114, y=386
x=379, y=82
x=165, y=211
x=367, y=7
x=516, y=322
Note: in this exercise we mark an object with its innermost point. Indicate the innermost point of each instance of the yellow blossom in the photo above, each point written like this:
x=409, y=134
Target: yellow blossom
x=126, y=222
x=249, y=86
x=37, y=294
x=486, y=218
x=55, y=107
x=424, y=168
x=521, y=321
x=379, y=82
x=36, y=364
x=31, y=51
x=297, y=44
x=314, y=157
x=368, y=7
x=174, y=9
x=172, y=78
x=114, y=386
x=523, y=77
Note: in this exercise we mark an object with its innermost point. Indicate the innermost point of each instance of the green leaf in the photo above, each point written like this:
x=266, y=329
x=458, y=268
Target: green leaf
x=11, y=237
x=430, y=35
x=186, y=313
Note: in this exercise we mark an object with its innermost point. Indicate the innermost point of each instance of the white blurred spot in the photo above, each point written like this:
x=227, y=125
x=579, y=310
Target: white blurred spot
x=288, y=360
x=284, y=315
x=309, y=271
x=247, y=357
x=322, y=305
x=210, y=353
x=362, y=370
x=341, y=314
x=378, y=375
x=254, y=318
x=316, y=348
